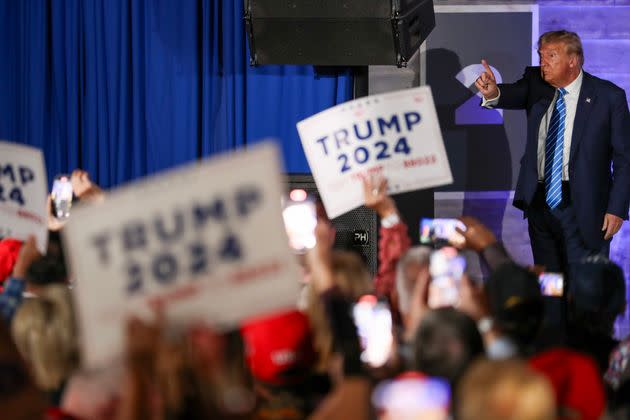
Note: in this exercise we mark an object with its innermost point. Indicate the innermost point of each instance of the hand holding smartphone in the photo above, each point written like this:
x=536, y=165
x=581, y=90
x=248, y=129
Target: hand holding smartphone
x=436, y=230
x=300, y=220
x=61, y=195
x=446, y=267
x=551, y=284
x=373, y=320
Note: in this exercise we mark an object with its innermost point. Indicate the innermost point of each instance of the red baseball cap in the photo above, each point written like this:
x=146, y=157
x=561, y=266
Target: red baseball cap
x=9, y=250
x=279, y=348
x=576, y=382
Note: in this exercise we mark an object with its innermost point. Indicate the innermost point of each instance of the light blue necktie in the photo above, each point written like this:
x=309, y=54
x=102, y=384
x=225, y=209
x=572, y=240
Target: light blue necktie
x=554, y=149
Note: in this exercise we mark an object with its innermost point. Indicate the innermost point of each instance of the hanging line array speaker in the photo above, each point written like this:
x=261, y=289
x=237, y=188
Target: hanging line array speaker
x=337, y=32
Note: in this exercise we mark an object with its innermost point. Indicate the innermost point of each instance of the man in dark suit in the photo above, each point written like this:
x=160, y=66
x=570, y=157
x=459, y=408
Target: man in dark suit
x=574, y=180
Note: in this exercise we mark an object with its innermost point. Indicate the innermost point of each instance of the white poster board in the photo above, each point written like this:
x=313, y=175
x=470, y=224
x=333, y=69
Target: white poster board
x=396, y=134
x=205, y=242
x=23, y=192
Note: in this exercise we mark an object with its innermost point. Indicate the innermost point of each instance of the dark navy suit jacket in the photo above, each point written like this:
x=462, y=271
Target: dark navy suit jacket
x=600, y=140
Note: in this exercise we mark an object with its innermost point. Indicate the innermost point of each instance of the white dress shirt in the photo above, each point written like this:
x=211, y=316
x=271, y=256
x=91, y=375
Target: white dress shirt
x=571, y=101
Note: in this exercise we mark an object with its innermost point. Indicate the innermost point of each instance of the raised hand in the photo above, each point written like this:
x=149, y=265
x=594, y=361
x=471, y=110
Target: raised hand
x=319, y=258
x=80, y=182
x=476, y=235
x=54, y=224
x=376, y=197
x=473, y=300
x=28, y=254
x=419, y=303
x=487, y=83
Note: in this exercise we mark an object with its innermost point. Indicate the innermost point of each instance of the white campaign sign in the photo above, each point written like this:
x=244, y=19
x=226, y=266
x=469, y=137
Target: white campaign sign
x=396, y=134
x=205, y=242
x=23, y=192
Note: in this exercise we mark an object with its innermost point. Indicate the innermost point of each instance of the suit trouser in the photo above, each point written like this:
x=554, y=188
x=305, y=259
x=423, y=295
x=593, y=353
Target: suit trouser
x=557, y=244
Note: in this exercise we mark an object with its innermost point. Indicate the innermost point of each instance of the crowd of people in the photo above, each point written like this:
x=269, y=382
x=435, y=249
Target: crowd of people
x=495, y=353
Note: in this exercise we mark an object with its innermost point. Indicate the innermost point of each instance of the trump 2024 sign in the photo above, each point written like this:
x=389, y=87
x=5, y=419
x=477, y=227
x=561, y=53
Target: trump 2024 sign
x=395, y=134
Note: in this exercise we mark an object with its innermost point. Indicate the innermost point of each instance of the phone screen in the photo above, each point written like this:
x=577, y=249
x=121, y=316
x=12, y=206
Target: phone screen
x=446, y=267
x=432, y=230
x=412, y=396
x=373, y=320
x=300, y=219
x=61, y=195
x=551, y=284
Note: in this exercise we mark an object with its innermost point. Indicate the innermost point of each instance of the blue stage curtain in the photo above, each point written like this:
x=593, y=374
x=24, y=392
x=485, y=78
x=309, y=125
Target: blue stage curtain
x=127, y=88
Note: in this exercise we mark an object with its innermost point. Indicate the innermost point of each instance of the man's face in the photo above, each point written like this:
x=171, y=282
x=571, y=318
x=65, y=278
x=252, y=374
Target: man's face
x=558, y=68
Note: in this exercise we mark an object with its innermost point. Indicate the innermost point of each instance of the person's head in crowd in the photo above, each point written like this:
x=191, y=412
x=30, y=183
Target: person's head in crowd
x=446, y=343
x=576, y=382
x=280, y=355
x=516, y=303
x=596, y=295
x=505, y=389
x=352, y=278
x=51, y=268
x=45, y=333
x=407, y=271
x=412, y=395
x=278, y=348
x=19, y=396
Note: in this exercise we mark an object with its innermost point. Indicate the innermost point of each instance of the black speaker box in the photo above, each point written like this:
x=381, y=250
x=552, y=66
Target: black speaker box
x=337, y=32
x=357, y=230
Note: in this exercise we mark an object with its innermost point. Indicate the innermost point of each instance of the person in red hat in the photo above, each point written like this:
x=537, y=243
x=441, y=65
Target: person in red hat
x=9, y=250
x=576, y=382
x=278, y=349
x=280, y=356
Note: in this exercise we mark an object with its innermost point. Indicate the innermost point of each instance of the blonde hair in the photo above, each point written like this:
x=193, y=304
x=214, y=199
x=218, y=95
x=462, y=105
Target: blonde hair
x=353, y=280
x=504, y=390
x=571, y=40
x=44, y=332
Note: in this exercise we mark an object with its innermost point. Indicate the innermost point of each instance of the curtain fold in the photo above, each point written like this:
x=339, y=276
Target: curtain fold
x=126, y=88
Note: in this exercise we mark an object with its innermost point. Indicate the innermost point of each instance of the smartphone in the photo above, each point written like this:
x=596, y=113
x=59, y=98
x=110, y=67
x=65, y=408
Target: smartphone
x=61, y=197
x=412, y=396
x=300, y=218
x=373, y=320
x=551, y=284
x=434, y=230
x=446, y=267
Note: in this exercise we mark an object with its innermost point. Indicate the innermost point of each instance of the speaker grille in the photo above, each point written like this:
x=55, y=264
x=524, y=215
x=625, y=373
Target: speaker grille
x=357, y=230
x=337, y=32
x=297, y=9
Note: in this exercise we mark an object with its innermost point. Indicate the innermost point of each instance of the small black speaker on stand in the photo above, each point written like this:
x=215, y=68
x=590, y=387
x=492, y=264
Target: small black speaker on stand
x=336, y=32
x=356, y=230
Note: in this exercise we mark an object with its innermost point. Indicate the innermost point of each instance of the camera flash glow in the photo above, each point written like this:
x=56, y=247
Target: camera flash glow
x=298, y=195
